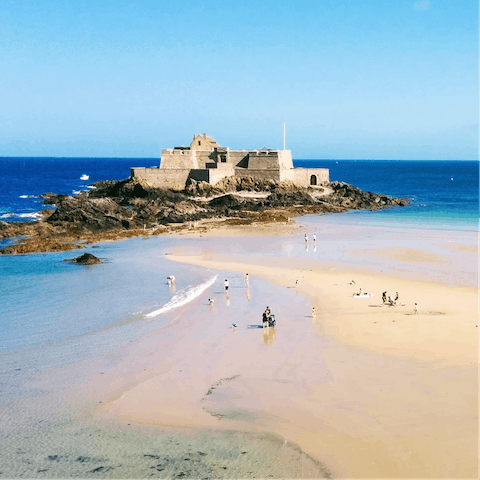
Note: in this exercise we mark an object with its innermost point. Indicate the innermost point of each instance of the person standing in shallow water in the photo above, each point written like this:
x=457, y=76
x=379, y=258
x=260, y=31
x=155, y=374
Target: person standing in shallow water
x=226, y=285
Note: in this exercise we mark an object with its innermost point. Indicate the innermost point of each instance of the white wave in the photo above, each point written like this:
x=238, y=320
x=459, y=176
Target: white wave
x=29, y=215
x=21, y=215
x=91, y=186
x=28, y=196
x=76, y=192
x=182, y=298
x=84, y=177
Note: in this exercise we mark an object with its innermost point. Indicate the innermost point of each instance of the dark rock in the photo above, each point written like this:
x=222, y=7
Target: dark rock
x=46, y=212
x=85, y=259
x=230, y=201
x=96, y=215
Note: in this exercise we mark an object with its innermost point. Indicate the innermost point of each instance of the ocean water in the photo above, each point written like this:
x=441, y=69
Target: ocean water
x=53, y=312
x=24, y=179
x=444, y=193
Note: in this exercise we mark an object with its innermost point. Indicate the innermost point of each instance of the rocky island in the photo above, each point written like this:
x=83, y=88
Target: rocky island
x=115, y=210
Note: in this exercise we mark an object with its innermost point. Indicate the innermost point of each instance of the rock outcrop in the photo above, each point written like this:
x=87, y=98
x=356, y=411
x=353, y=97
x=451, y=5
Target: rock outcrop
x=85, y=259
x=121, y=209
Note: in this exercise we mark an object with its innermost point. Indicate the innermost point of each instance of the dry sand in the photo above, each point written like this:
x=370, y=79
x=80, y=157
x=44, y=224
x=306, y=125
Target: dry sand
x=367, y=390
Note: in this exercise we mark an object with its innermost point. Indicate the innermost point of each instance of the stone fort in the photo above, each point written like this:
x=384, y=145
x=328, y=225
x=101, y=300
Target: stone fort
x=205, y=160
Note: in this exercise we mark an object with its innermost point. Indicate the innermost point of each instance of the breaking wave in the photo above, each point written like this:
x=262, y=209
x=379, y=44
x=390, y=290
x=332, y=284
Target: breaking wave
x=182, y=298
x=21, y=215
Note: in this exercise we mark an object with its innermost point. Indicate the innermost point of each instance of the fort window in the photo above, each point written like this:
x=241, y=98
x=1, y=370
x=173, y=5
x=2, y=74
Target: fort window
x=313, y=180
x=199, y=142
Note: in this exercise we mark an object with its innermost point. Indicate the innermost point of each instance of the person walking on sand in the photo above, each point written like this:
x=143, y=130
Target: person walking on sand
x=226, y=285
x=384, y=297
x=415, y=309
x=265, y=316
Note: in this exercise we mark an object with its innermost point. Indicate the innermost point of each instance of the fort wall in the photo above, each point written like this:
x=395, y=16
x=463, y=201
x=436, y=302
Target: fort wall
x=207, y=161
x=158, y=177
x=176, y=159
x=310, y=176
x=261, y=174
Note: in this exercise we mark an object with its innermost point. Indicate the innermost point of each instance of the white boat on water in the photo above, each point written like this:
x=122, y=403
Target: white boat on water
x=84, y=177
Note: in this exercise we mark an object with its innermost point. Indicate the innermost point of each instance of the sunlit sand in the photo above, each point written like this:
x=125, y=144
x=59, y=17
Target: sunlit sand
x=367, y=389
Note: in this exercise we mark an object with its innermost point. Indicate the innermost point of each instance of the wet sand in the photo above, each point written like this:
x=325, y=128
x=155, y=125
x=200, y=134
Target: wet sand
x=367, y=389
x=360, y=390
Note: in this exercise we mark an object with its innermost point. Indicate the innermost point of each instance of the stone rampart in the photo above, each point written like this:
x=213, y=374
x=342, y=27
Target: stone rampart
x=217, y=174
x=162, y=177
x=310, y=176
x=176, y=159
x=238, y=157
x=261, y=174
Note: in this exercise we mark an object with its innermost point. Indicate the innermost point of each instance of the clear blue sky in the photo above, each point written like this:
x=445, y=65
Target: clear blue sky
x=352, y=79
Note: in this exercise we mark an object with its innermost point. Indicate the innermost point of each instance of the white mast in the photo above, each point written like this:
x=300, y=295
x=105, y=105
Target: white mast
x=284, y=136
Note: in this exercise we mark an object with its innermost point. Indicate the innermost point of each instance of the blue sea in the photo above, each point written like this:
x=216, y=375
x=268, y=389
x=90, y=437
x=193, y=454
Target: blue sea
x=53, y=312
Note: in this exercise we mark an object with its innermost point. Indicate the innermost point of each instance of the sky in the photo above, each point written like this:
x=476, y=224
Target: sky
x=351, y=79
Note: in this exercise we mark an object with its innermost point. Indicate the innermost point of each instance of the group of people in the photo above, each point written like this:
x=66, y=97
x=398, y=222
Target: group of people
x=395, y=302
x=390, y=300
x=268, y=320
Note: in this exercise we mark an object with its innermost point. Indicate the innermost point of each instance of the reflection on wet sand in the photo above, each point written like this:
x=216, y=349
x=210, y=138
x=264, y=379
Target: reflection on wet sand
x=269, y=335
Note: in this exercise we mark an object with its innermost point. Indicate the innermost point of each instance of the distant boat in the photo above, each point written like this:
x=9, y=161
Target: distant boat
x=84, y=177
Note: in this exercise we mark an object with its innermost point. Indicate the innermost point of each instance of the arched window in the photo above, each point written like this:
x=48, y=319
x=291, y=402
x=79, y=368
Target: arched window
x=313, y=180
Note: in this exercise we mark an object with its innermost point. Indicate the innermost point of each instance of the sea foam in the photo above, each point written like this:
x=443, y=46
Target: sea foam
x=34, y=215
x=182, y=298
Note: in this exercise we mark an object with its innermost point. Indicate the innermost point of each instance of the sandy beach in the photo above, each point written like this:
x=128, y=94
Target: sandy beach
x=367, y=389
x=358, y=390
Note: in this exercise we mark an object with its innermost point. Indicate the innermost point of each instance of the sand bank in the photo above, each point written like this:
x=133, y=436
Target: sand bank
x=366, y=389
